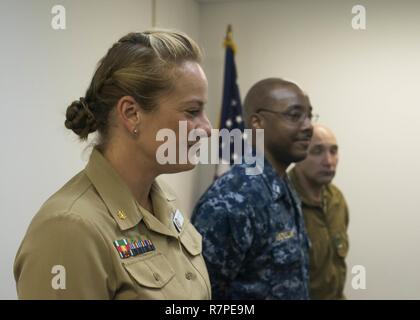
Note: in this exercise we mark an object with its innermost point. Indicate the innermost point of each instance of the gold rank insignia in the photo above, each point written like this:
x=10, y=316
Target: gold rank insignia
x=121, y=214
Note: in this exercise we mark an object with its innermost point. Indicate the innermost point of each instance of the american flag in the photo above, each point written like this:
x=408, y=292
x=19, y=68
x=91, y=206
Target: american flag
x=231, y=115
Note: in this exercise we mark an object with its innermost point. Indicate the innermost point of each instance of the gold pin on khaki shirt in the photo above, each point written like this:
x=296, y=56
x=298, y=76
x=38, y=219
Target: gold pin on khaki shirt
x=73, y=246
x=326, y=225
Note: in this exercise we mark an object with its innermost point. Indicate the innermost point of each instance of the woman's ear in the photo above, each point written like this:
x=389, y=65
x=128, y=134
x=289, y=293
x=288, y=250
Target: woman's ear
x=128, y=112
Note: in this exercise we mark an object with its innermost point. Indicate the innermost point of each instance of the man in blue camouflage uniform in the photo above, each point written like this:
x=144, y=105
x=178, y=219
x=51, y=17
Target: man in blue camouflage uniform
x=254, y=240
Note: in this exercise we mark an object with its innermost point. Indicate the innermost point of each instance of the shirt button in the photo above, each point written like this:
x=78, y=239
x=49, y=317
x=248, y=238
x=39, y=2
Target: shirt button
x=157, y=277
x=189, y=275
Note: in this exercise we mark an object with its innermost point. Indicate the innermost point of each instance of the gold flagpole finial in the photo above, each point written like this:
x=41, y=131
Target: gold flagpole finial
x=229, y=31
x=229, y=39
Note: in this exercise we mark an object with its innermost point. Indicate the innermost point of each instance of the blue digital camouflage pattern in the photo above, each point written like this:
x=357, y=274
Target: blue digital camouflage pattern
x=254, y=240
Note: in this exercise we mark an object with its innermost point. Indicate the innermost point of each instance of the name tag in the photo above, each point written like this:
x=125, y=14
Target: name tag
x=281, y=236
x=178, y=220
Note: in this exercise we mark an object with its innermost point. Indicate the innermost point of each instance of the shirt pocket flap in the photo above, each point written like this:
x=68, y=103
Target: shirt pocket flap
x=191, y=240
x=286, y=252
x=153, y=271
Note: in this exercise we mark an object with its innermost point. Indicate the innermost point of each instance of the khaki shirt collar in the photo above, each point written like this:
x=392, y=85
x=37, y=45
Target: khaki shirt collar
x=302, y=193
x=121, y=203
x=113, y=191
x=163, y=207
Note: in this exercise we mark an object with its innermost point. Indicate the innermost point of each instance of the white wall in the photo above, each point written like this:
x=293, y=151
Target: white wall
x=363, y=83
x=365, y=86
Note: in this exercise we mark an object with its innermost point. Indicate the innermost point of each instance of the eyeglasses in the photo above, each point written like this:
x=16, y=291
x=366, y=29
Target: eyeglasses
x=295, y=116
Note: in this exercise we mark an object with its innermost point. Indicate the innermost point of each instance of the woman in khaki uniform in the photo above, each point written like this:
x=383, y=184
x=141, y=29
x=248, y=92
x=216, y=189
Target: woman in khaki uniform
x=113, y=231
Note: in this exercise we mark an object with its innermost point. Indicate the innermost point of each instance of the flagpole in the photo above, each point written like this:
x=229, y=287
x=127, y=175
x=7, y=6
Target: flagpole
x=227, y=42
x=231, y=109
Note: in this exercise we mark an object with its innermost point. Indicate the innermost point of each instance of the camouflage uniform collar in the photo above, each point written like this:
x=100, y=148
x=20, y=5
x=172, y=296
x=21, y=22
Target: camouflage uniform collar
x=113, y=191
x=274, y=182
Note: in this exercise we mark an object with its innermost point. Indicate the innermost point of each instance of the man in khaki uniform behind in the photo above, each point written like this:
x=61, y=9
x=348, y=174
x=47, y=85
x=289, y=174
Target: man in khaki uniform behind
x=325, y=213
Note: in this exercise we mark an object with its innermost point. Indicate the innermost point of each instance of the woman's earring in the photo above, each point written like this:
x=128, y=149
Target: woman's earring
x=135, y=131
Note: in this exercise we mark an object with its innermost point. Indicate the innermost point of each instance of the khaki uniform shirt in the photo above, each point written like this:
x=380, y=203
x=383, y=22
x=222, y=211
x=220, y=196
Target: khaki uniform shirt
x=92, y=240
x=326, y=224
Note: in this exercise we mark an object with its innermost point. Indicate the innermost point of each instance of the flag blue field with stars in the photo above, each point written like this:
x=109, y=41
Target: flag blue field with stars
x=231, y=114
